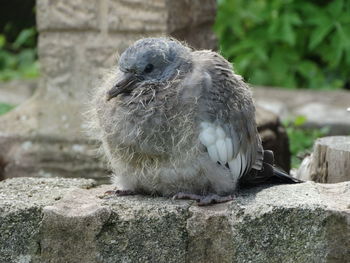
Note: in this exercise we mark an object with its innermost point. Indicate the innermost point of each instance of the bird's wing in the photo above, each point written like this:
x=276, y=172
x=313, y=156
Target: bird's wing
x=227, y=116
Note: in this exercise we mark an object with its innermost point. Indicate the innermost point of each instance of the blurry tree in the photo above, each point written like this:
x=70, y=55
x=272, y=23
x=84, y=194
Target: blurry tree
x=290, y=43
x=18, y=40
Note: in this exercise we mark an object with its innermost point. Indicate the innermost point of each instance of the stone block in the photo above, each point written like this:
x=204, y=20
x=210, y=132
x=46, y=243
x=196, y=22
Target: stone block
x=56, y=55
x=137, y=16
x=67, y=14
x=185, y=14
x=67, y=220
x=191, y=21
x=21, y=210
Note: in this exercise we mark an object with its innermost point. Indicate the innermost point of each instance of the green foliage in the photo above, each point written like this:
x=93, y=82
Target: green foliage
x=18, y=59
x=301, y=139
x=4, y=107
x=290, y=43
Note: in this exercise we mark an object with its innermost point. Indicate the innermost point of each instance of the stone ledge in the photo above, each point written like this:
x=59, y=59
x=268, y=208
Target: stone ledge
x=66, y=220
x=21, y=211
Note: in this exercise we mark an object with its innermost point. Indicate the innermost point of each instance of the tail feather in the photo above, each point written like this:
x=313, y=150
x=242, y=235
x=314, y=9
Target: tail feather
x=283, y=177
x=269, y=174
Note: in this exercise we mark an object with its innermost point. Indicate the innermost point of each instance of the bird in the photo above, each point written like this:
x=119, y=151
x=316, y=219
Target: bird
x=178, y=122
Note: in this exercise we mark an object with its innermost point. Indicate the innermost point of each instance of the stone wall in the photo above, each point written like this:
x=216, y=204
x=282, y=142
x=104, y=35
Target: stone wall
x=67, y=220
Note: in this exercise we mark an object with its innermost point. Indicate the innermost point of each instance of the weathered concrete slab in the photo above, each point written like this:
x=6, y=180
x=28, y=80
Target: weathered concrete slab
x=47, y=220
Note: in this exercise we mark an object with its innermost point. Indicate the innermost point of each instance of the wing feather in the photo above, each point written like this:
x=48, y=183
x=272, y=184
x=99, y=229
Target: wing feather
x=226, y=107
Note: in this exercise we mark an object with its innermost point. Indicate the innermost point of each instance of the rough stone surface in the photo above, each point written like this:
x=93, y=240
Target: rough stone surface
x=17, y=91
x=79, y=39
x=67, y=14
x=191, y=21
x=71, y=225
x=21, y=212
x=321, y=108
x=60, y=220
x=151, y=16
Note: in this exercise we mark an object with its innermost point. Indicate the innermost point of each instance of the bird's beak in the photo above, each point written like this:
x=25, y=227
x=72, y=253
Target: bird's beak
x=122, y=86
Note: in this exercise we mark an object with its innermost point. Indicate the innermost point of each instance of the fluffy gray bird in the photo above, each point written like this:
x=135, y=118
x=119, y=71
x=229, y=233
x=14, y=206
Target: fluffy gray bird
x=178, y=122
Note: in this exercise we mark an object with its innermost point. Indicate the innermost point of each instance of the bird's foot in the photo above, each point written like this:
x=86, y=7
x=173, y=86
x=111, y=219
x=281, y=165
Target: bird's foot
x=119, y=193
x=203, y=200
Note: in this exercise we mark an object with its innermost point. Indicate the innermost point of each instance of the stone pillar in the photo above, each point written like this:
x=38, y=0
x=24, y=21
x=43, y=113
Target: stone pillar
x=78, y=40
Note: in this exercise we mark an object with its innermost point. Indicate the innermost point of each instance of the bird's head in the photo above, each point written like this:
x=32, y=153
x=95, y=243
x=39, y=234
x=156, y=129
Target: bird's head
x=149, y=60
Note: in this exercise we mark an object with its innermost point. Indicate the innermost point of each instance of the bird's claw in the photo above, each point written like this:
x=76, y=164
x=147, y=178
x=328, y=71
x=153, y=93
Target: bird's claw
x=203, y=200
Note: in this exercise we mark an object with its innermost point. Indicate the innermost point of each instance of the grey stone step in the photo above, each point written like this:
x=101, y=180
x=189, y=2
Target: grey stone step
x=67, y=220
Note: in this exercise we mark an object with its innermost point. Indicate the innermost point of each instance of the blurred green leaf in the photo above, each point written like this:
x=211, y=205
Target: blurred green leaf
x=318, y=35
x=307, y=68
x=24, y=38
x=299, y=120
x=335, y=8
x=4, y=108
x=301, y=139
x=2, y=40
x=295, y=19
x=287, y=33
x=31, y=71
x=19, y=59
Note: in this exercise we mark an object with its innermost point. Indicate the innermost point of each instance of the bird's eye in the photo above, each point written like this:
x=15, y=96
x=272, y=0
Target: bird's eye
x=149, y=68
